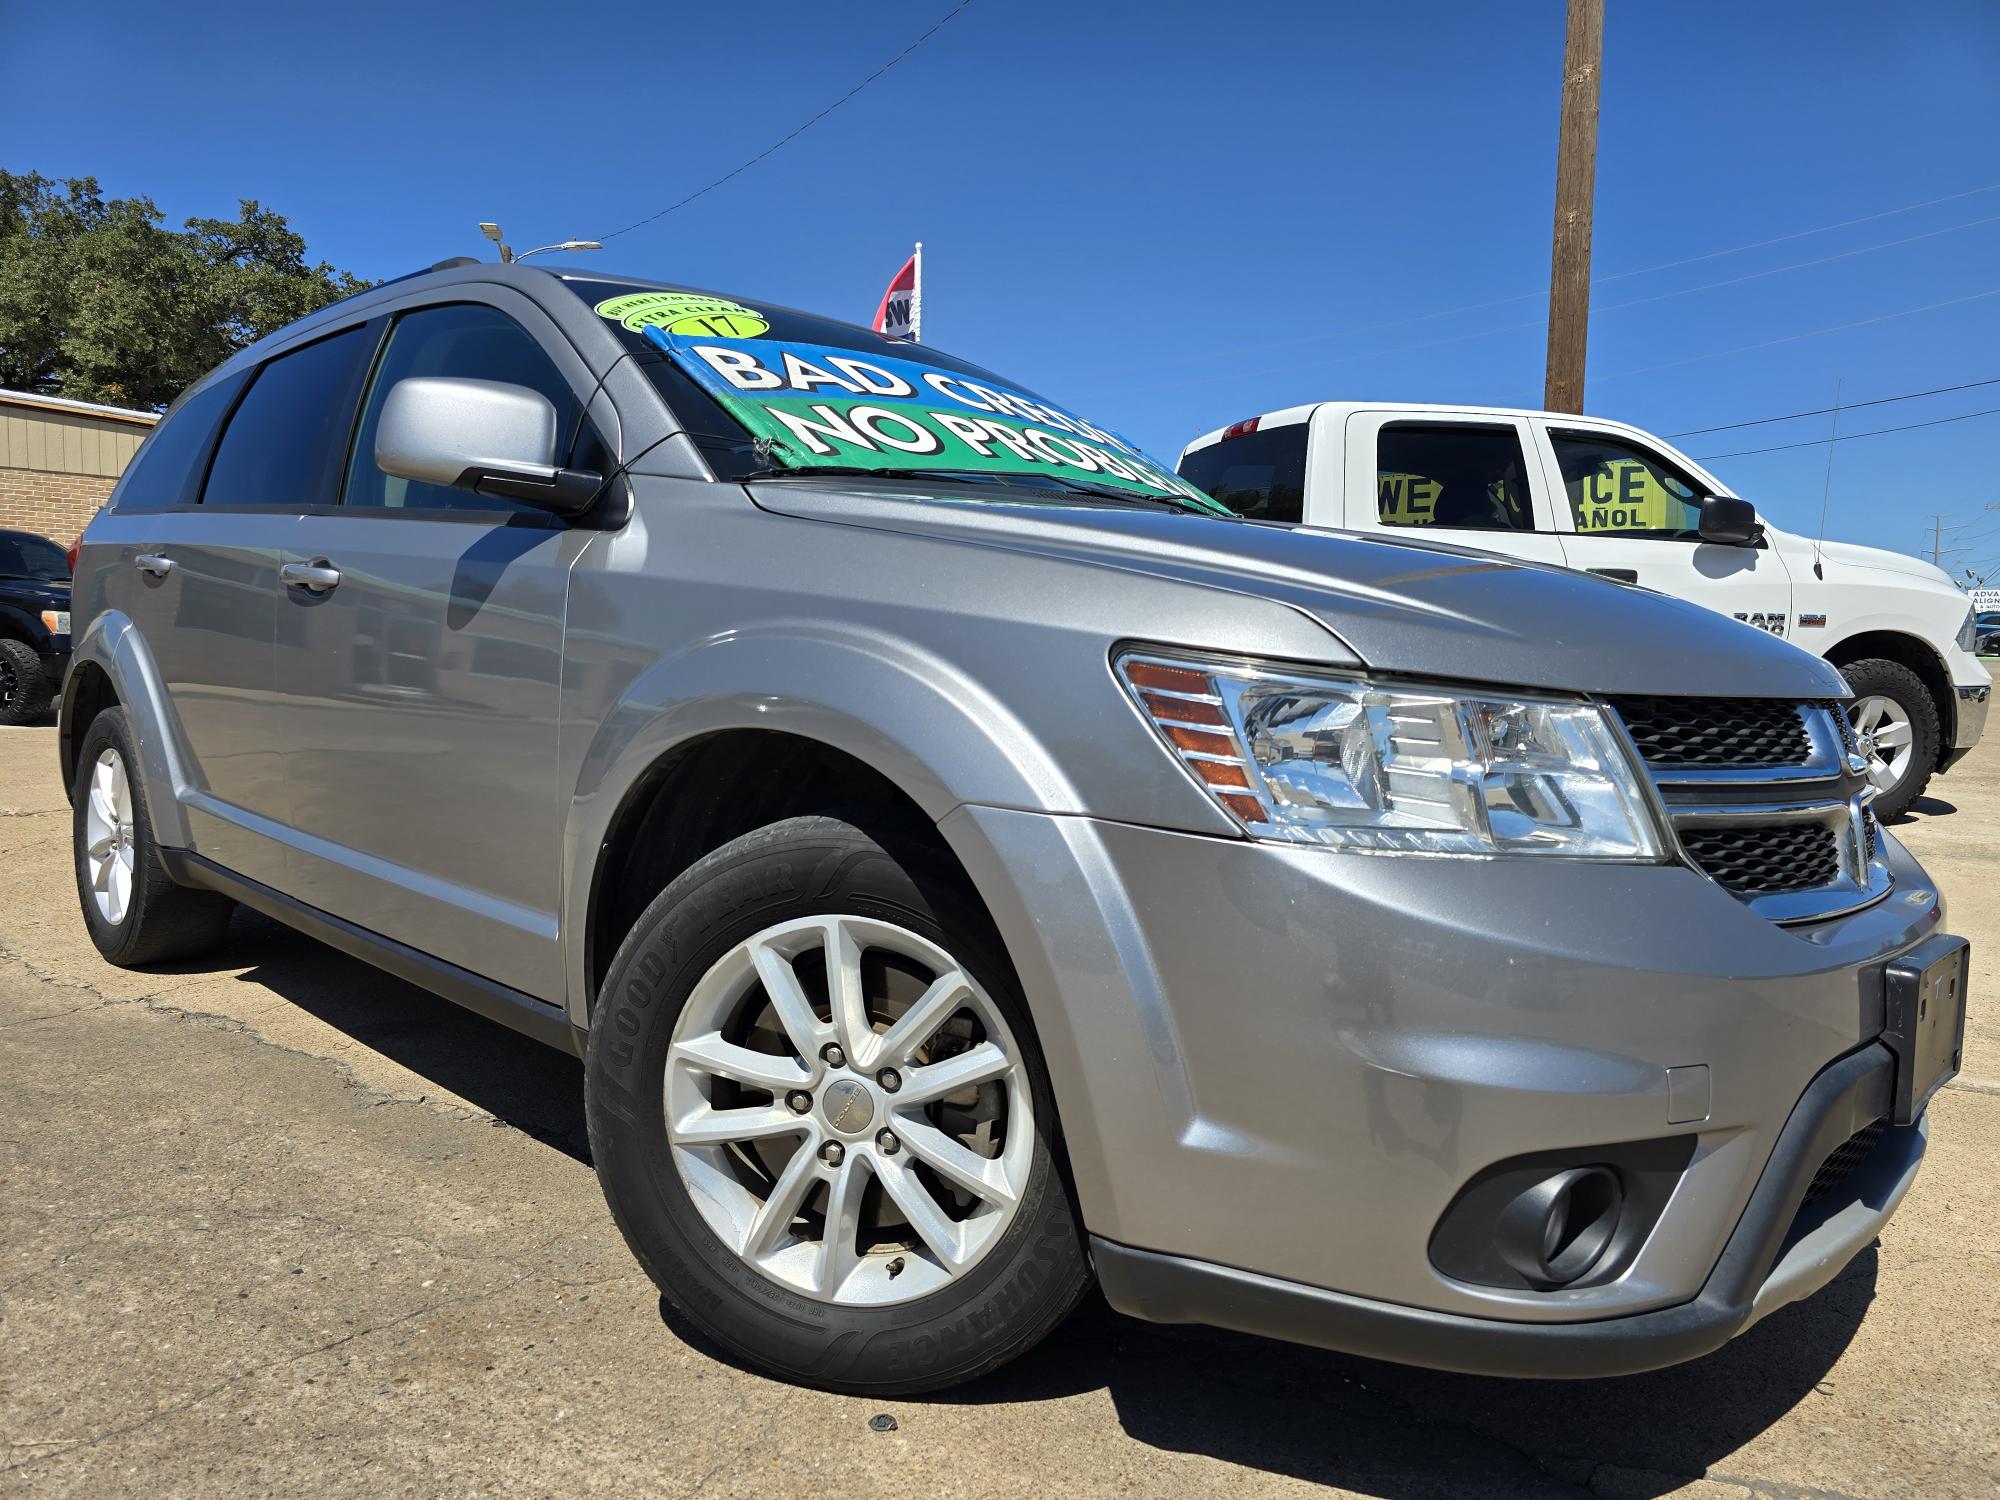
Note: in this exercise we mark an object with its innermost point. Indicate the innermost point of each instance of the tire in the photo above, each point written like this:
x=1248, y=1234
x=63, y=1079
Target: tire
x=157, y=921
x=827, y=1316
x=24, y=691
x=1889, y=697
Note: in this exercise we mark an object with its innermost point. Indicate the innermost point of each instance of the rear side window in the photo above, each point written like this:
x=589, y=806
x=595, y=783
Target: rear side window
x=290, y=427
x=166, y=471
x=1261, y=475
x=1465, y=477
x=470, y=341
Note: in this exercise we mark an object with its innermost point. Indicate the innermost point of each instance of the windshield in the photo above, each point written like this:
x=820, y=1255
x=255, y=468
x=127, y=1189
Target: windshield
x=774, y=391
x=34, y=557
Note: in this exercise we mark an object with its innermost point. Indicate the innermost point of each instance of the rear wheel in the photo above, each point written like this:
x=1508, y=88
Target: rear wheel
x=134, y=911
x=1896, y=729
x=820, y=1118
x=24, y=690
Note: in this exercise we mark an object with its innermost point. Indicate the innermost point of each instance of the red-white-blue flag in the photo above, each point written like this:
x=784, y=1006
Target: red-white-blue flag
x=901, y=315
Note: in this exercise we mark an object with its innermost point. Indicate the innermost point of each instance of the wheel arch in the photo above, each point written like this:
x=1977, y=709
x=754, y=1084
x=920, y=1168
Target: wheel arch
x=1916, y=654
x=110, y=665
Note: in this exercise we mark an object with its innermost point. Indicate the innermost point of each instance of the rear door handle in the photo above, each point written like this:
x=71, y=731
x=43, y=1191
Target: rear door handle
x=156, y=563
x=314, y=577
x=1618, y=575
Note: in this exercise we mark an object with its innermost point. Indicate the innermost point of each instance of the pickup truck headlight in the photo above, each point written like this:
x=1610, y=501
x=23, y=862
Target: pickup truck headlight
x=1968, y=633
x=55, y=621
x=1361, y=764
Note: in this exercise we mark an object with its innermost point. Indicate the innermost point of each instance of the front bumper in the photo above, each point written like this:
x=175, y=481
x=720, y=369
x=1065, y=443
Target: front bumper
x=1278, y=1067
x=1775, y=1256
x=1968, y=721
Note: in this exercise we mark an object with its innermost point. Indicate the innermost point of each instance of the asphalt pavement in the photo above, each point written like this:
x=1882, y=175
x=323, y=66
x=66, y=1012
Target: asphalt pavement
x=276, y=1222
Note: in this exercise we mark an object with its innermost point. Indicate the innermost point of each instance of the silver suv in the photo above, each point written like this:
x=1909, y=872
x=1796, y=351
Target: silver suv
x=967, y=864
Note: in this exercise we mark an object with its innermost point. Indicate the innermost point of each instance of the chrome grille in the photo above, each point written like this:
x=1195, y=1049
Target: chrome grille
x=1739, y=732
x=1758, y=859
x=1763, y=799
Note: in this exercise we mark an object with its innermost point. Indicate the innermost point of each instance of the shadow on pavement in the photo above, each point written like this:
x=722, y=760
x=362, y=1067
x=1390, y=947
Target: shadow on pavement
x=1397, y=1432
x=533, y=1088
x=1921, y=810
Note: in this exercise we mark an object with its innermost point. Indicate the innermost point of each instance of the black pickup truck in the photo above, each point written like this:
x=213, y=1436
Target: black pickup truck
x=34, y=623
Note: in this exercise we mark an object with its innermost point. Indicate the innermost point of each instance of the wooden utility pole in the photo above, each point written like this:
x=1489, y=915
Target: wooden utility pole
x=1576, y=183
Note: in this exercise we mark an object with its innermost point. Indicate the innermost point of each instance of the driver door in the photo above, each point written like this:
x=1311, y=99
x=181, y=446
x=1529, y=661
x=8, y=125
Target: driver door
x=1632, y=515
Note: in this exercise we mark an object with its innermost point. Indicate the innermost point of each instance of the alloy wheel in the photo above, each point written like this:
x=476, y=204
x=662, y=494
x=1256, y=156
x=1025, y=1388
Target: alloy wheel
x=108, y=836
x=848, y=1110
x=1885, y=736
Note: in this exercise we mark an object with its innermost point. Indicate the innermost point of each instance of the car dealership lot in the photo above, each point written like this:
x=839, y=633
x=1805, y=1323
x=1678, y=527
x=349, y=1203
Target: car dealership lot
x=278, y=1221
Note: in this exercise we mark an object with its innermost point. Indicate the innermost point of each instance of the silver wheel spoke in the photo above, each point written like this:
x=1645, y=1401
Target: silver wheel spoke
x=926, y=1218
x=1892, y=734
x=711, y=1054
x=1880, y=775
x=788, y=999
x=917, y=1024
x=843, y=986
x=838, y=1255
x=102, y=805
x=719, y=1127
x=787, y=1193
x=950, y=1159
x=973, y=1066
x=100, y=877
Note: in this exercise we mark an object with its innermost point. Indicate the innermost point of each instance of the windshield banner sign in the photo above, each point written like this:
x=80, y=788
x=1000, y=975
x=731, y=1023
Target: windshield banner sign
x=820, y=406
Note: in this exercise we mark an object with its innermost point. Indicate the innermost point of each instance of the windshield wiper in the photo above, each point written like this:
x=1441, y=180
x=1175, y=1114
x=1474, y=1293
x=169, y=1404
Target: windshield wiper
x=1005, y=485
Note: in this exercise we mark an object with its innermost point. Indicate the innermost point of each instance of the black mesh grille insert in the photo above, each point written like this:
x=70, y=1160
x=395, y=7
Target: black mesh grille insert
x=1843, y=1159
x=1761, y=858
x=1716, y=731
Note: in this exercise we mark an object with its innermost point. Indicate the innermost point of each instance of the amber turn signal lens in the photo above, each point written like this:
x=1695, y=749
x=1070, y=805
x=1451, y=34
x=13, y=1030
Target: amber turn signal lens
x=1147, y=674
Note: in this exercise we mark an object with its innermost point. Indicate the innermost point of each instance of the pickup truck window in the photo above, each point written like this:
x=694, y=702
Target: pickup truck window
x=1617, y=489
x=1261, y=475
x=1460, y=475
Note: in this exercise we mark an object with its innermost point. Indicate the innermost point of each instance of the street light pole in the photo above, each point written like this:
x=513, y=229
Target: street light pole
x=1576, y=183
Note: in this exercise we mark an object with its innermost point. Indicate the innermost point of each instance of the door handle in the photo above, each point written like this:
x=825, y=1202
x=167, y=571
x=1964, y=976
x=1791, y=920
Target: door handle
x=314, y=577
x=156, y=563
x=1618, y=575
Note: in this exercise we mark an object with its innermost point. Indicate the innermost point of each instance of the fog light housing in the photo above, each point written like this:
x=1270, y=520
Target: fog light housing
x=1557, y=1229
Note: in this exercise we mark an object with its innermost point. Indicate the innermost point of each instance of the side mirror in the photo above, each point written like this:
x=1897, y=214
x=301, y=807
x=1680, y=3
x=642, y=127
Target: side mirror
x=1728, y=520
x=479, y=435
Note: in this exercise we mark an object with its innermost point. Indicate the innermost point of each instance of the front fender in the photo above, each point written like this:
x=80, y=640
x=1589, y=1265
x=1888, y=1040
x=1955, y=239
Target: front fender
x=114, y=645
x=938, y=735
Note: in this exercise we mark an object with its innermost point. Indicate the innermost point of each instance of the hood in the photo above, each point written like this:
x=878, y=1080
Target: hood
x=33, y=595
x=1881, y=560
x=1418, y=608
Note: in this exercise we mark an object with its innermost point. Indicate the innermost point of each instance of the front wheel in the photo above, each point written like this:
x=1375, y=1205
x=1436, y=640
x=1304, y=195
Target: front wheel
x=1896, y=730
x=821, y=1120
x=24, y=688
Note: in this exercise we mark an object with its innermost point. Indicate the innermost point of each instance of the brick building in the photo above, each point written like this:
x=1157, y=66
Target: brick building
x=60, y=458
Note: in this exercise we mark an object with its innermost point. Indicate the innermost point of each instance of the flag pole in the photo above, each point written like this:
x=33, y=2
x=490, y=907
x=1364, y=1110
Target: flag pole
x=917, y=299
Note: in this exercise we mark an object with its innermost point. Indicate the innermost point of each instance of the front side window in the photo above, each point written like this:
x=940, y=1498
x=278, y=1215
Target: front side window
x=1459, y=475
x=764, y=391
x=285, y=433
x=1617, y=489
x=467, y=340
x=1261, y=476
x=38, y=558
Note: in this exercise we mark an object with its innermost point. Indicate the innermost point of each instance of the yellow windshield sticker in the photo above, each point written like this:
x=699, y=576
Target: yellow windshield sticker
x=685, y=313
x=1406, y=499
x=1623, y=494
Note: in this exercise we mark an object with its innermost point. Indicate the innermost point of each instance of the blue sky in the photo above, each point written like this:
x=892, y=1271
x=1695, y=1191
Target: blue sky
x=1164, y=215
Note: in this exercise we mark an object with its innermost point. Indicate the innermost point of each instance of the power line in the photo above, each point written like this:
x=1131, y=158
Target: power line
x=1668, y=265
x=788, y=139
x=1810, y=333
x=1820, y=411
x=1848, y=437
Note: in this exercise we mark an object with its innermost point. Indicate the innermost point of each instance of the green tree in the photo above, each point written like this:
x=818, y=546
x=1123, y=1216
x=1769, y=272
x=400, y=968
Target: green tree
x=99, y=301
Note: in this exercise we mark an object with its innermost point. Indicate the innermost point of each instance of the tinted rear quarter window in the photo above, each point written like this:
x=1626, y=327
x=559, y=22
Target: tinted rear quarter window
x=166, y=471
x=290, y=427
x=1457, y=475
x=1261, y=475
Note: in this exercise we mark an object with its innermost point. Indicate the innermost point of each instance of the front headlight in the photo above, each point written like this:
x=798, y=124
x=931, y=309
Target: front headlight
x=1968, y=633
x=1360, y=764
x=56, y=621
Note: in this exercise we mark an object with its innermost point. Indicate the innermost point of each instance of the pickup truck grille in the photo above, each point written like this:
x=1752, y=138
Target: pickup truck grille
x=1763, y=799
x=1716, y=731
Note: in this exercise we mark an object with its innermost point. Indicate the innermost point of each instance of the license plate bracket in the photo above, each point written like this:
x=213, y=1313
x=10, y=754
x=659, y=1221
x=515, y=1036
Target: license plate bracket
x=1924, y=1020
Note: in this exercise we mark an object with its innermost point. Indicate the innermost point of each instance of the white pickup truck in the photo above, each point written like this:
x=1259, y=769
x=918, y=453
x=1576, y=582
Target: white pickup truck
x=1599, y=496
